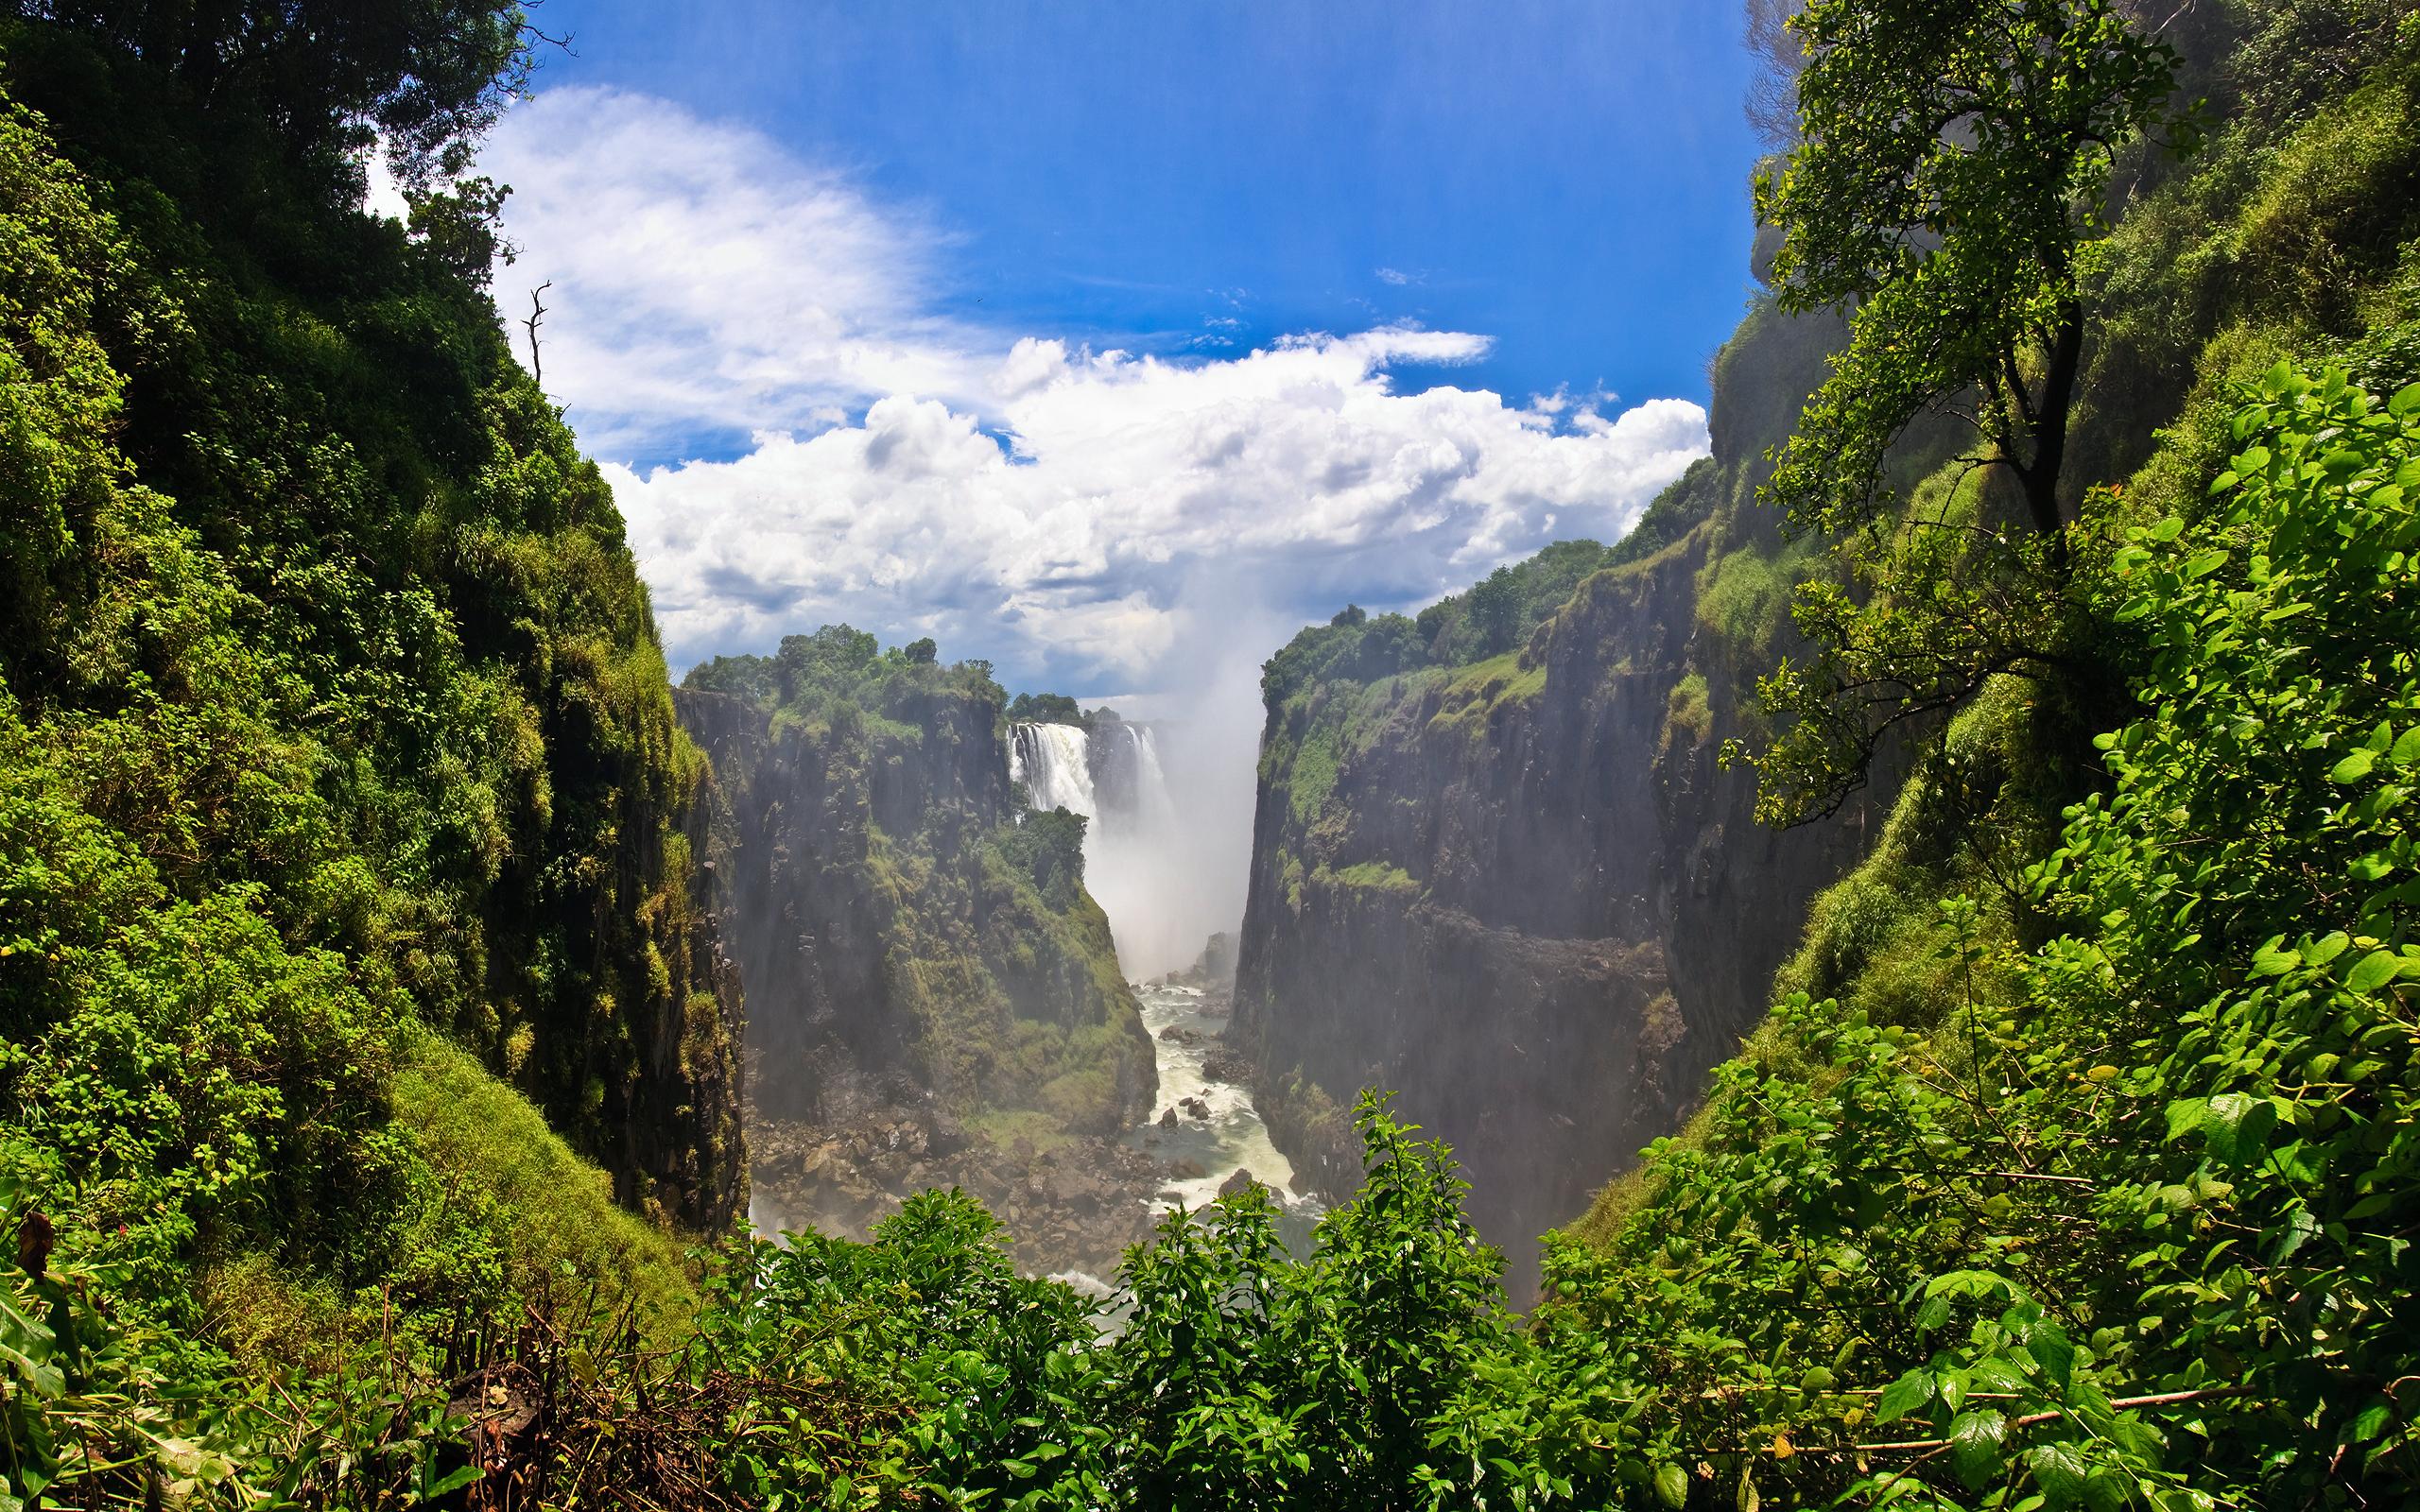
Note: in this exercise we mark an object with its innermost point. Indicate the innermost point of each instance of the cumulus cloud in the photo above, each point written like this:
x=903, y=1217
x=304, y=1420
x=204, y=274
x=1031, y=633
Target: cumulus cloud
x=1080, y=516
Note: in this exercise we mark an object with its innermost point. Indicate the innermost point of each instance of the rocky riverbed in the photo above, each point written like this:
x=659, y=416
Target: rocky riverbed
x=1075, y=1206
x=1072, y=1208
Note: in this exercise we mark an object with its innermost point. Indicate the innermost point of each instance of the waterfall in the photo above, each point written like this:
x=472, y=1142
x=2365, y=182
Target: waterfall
x=1054, y=762
x=1130, y=786
x=1136, y=859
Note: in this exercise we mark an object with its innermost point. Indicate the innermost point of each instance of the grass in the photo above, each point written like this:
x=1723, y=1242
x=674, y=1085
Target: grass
x=1469, y=703
x=550, y=1213
x=1688, y=710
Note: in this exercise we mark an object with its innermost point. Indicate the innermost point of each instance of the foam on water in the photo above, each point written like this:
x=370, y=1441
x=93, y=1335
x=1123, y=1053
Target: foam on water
x=1232, y=1139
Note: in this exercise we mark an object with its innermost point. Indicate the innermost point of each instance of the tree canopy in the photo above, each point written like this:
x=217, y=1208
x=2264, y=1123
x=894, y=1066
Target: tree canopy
x=427, y=76
x=1947, y=191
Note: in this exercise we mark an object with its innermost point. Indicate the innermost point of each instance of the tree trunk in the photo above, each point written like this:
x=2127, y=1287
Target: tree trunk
x=2051, y=426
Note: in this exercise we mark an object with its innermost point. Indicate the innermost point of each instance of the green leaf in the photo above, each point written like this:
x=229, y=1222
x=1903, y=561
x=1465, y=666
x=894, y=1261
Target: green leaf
x=2405, y=400
x=1969, y=1284
x=2059, y=1471
x=2407, y=749
x=2275, y=958
x=1672, y=1486
x=2355, y=766
x=2238, y=1127
x=2186, y=1116
x=2373, y=971
x=1901, y=1396
x=2053, y=1351
x=2167, y=530
x=454, y=1482
x=1974, y=1440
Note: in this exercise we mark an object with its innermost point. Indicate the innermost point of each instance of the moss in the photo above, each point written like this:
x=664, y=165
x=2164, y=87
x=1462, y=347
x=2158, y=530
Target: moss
x=1311, y=776
x=1687, y=716
x=1378, y=875
x=1045, y=1131
x=1469, y=703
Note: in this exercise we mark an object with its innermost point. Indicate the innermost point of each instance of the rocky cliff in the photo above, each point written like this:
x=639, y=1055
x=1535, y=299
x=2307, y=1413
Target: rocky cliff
x=920, y=966
x=1522, y=892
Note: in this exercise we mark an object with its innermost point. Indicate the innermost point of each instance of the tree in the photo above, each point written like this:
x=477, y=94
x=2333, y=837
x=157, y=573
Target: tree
x=833, y=658
x=426, y=76
x=1494, y=606
x=1772, y=88
x=1947, y=193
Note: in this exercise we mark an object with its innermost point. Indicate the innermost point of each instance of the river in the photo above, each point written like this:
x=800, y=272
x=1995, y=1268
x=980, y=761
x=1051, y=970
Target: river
x=1232, y=1138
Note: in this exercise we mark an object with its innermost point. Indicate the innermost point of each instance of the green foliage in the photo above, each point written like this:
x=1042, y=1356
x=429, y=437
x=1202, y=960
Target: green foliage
x=1050, y=849
x=1673, y=514
x=1947, y=192
x=1934, y=607
x=518, y=1192
x=841, y=675
x=1496, y=616
x=1238, y=1378
x=2120, y=1219
x=426, y=76
x=333, y=723
x=1312, y=773
x=1497, y=613
x=2164, y=1148
x=1045, y=709
x=1949, y=196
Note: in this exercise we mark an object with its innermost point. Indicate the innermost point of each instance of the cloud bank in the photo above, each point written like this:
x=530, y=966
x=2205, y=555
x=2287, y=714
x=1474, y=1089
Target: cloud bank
x=1084, y=518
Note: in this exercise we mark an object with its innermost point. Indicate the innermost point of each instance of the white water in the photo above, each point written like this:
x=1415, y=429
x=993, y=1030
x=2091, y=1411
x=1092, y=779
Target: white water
x=1139, y=864
x=1142, y=847
x=1054, y=762
x=1232, y=1139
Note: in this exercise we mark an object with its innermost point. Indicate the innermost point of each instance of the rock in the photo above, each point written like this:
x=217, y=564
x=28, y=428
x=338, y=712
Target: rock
x=1225, y=1062
x=1242, y=1181
x=1168, y=1120
x=1186, y=1171
x=944, y=1135
x=1177, y=1034
x=1194, y=1107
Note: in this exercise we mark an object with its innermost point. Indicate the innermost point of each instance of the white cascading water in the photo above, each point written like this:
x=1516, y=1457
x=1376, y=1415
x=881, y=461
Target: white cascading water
x=1054, y=762
x=1137, y=865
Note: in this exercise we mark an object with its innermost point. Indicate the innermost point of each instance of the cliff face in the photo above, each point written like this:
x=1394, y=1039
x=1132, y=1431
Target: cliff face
x=1521, y=893
x=896, y=956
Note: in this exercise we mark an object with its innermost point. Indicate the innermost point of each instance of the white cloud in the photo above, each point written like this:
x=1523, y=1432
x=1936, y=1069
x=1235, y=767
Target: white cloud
x=1071, y=513
x=1396, y=277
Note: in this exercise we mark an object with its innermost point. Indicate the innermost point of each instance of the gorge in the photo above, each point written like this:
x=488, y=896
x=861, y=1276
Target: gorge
x=919, y=895
x=1927, y=928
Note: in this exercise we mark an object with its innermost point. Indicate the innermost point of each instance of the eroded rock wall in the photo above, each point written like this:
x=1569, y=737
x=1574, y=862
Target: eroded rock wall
x=1524, y=895
x=892, y=959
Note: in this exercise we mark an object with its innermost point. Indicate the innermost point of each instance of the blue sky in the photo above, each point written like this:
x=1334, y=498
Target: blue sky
x=1083, y=335
x=1568, y=178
